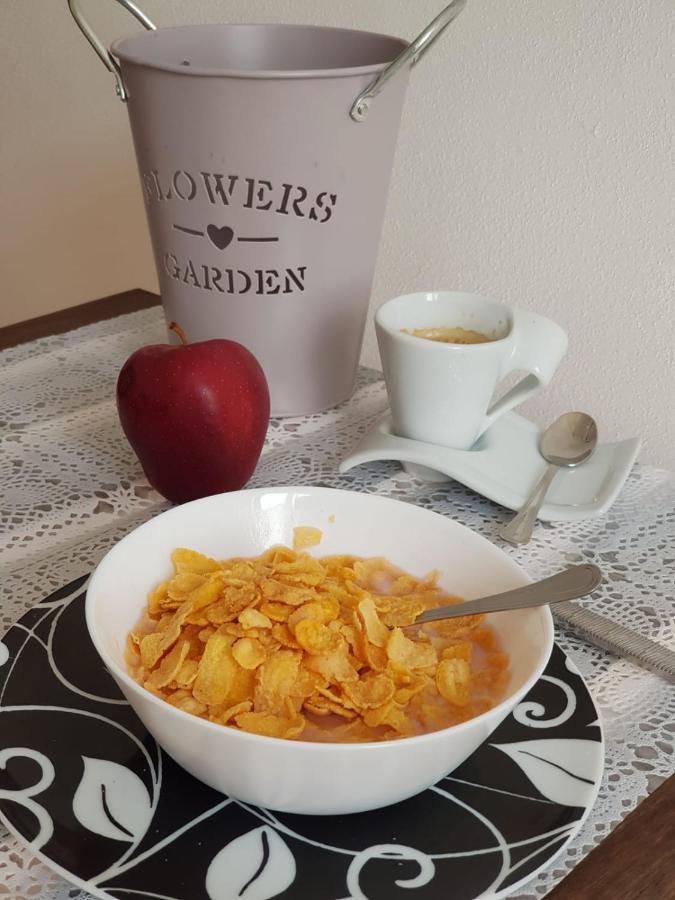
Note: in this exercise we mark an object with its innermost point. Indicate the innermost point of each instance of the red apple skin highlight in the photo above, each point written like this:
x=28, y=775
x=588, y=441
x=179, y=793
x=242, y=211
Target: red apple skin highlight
x=196, y=416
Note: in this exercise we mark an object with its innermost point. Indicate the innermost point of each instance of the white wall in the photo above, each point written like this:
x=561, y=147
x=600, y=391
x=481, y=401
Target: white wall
x=536, y=164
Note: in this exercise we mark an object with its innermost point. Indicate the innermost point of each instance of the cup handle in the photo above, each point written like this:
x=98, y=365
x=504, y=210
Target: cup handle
x=539, y=349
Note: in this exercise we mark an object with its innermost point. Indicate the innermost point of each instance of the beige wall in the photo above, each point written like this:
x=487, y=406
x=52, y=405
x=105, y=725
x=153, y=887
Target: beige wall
x=535, y=164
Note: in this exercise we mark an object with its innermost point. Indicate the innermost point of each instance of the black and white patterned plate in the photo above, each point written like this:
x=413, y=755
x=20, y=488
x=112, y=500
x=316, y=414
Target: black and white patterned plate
x=88, y=790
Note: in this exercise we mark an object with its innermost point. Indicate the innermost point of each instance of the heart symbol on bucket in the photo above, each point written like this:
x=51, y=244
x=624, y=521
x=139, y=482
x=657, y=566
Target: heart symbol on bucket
x=220, y=237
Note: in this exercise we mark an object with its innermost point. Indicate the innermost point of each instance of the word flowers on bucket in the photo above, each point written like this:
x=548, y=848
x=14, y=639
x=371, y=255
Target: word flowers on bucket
x=228, y=191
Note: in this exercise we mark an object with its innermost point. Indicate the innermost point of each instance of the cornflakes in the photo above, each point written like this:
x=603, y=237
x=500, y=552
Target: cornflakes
x=294, y=647
x=249, y=653
x=304, y=538
x=317, y=639
x=453, y=680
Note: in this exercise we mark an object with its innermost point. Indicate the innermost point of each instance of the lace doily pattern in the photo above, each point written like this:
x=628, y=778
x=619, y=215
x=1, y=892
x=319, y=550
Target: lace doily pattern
x=72, y=487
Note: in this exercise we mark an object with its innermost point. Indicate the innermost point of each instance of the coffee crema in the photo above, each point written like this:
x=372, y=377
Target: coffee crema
x=442, y=334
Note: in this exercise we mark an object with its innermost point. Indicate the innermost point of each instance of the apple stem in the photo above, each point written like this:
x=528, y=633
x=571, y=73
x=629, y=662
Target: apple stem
x=175, y=327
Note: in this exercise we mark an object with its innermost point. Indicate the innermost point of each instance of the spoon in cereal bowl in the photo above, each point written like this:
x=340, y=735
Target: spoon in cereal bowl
x=572, y=584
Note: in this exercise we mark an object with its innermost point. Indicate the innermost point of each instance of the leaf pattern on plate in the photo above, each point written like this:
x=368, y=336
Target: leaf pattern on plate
x=563, y=770
x=256, y=866
x=112, y=801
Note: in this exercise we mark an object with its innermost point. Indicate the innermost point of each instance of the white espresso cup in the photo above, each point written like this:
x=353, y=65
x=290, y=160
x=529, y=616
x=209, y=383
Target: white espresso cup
x=443, y=393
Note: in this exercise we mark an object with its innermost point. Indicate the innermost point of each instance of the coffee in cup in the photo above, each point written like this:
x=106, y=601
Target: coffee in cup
x=442, y=334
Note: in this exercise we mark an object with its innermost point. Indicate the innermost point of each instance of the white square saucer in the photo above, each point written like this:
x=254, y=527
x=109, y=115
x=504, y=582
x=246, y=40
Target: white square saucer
x=504, y=466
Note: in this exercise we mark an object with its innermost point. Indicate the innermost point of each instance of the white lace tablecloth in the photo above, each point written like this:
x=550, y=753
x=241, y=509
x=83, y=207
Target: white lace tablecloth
x=71, y=487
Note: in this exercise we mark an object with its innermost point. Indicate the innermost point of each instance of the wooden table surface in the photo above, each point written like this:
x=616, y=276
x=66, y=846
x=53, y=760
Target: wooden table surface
x=637, y=860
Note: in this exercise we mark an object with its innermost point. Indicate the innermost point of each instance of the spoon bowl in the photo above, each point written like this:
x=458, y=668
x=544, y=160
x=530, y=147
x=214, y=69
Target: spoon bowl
x=570, y=441
x=566, y=444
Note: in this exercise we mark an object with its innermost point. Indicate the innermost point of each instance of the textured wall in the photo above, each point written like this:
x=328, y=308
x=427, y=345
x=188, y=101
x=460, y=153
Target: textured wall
x=535, y=164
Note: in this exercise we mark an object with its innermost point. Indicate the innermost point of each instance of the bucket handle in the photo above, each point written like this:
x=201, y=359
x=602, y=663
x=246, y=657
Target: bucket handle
x=361, y=107
x=100, y=49
x=410, y=56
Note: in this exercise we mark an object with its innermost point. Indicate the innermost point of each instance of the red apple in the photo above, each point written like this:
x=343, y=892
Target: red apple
x=196, y=415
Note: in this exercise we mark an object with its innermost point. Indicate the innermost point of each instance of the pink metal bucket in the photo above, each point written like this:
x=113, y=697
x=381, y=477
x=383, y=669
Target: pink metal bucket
x=265, y=154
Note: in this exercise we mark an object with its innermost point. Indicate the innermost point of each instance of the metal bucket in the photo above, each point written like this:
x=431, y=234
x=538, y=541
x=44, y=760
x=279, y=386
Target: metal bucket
x=265, y=154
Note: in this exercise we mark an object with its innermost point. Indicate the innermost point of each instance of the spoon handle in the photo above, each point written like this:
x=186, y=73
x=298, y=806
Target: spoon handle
x=519, y=530
x=573, y=583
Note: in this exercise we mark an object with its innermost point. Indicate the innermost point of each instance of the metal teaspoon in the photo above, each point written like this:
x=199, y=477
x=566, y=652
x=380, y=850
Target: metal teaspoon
x=573, y=583
x=568, y=443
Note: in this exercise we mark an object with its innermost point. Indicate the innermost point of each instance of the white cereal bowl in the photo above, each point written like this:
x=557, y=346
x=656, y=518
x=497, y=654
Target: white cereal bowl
x=296, y=776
